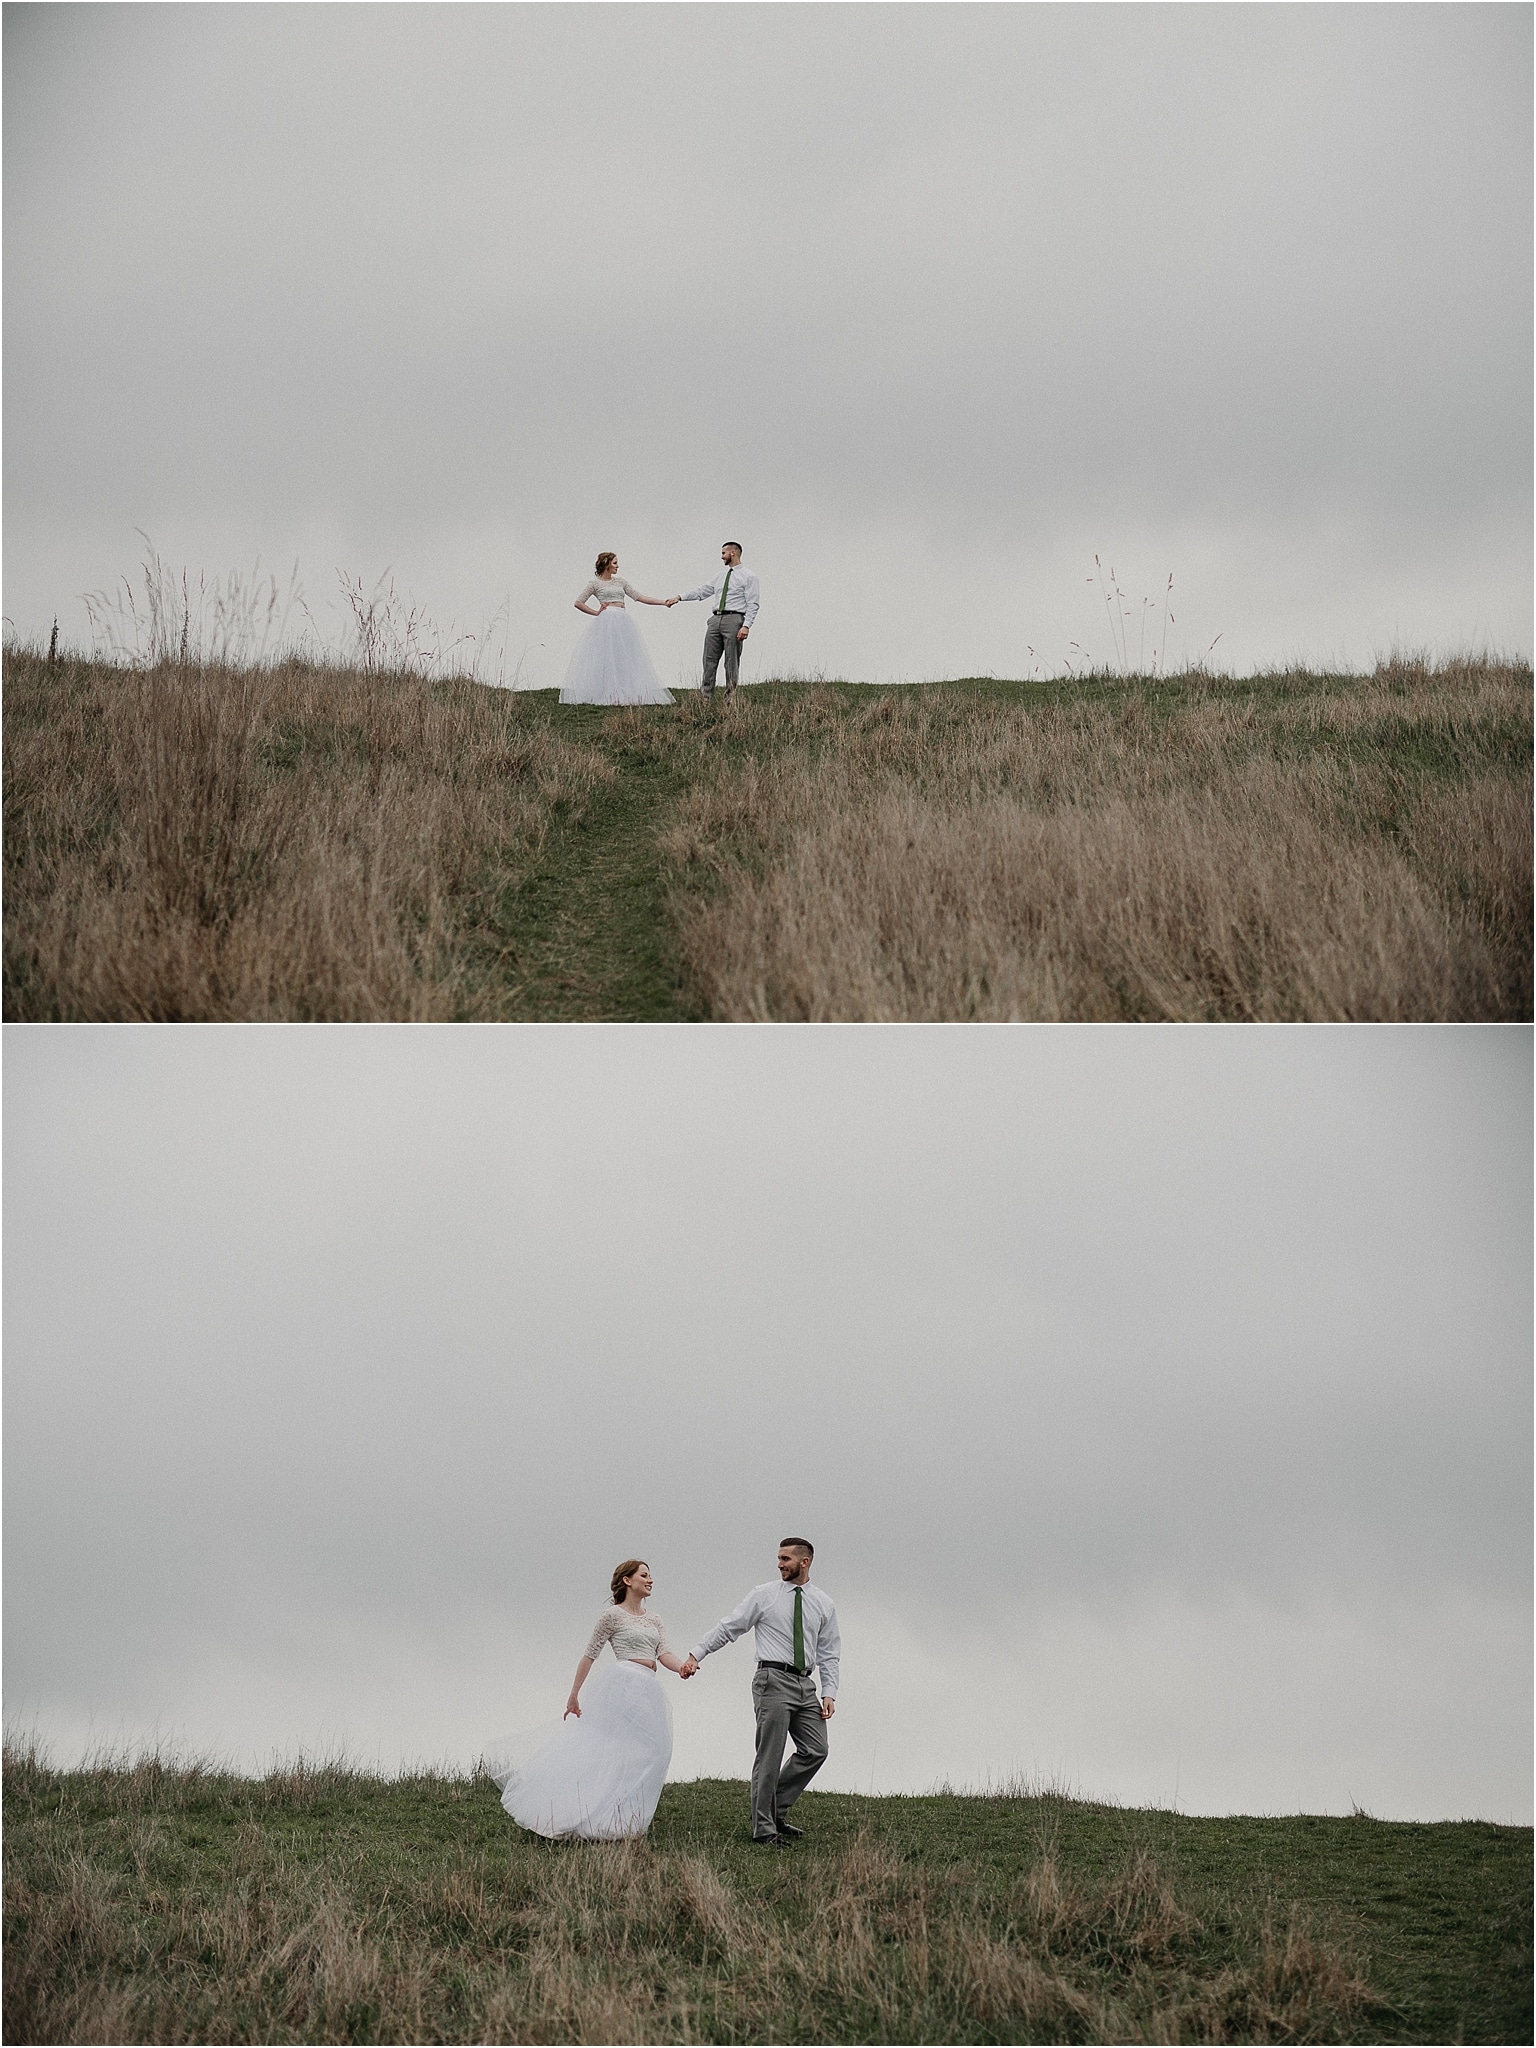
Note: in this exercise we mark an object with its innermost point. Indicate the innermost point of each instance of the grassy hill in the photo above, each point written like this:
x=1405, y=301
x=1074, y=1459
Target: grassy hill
x=297, y=842
x=317, y=1904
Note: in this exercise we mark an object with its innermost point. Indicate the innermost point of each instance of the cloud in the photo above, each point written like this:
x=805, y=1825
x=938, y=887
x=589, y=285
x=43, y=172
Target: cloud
x=974, y=291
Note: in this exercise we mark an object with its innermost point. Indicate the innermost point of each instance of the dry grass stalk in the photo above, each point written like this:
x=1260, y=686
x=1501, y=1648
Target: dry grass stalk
x=292, y=842
x=1099, y=860
x=605, y=1942
x=289, y=842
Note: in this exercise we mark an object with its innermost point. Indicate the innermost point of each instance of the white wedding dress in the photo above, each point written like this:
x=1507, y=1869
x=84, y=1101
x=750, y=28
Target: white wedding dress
x=601, y=1776
x=610, y=664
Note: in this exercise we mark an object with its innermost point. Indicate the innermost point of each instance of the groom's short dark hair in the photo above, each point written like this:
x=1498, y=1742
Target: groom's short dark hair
x=797, y=1543
x=736, y=544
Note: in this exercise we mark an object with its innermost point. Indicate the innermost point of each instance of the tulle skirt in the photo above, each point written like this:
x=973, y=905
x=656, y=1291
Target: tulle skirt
x=602, y=1774
x=611, y=666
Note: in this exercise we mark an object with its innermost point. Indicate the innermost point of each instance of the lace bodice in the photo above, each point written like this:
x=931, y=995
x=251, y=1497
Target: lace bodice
x=632, y=1635
x=607, y=590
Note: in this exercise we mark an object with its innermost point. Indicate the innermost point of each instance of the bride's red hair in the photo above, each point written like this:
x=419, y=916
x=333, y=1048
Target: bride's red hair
x=621, y=1572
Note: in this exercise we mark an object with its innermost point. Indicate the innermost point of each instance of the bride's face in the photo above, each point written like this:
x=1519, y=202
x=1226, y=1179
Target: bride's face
x=640, y=1583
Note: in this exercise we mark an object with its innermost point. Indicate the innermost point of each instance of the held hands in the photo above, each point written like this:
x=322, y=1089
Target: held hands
x=688, y=1667
x=670, y=601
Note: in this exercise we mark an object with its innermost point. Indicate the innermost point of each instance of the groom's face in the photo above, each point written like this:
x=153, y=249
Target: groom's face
x=793, y=1564
x=730, y=557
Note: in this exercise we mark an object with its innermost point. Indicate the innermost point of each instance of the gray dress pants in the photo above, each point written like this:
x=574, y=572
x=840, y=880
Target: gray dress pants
x=786, y=1706
x=720, y=638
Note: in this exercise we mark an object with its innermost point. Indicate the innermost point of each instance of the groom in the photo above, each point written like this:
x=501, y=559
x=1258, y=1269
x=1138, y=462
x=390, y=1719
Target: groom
x=733, y=607
x=796, y=1629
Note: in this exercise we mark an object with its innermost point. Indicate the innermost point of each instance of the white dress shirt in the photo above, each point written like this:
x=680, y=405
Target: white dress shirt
x=741, y=597
x=770, y=1610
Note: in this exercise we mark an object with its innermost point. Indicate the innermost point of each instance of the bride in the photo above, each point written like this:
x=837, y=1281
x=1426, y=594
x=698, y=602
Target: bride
x=610, y=665
x=602, y=1775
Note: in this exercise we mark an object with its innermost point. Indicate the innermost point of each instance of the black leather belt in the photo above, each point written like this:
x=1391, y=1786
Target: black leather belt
x=767, y=1664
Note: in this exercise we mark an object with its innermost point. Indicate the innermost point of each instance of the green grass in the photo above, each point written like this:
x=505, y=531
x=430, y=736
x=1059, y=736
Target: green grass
x=156, y=1904
x=582, y=932
x=308, y=844
x=594, y=926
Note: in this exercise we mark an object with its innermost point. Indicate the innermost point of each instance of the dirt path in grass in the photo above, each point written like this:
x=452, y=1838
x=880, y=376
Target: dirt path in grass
x=585, y=936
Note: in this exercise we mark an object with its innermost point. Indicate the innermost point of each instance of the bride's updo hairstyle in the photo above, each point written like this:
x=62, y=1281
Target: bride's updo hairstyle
x=631, y=1565
x=606, y=561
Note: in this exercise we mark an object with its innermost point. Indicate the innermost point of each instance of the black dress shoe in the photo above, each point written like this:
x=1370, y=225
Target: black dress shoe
x=766, y=1842
x=791, y=1834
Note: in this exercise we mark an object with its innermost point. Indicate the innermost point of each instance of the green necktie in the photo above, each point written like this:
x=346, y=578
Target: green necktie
x=725, y=586
x=799, y=1630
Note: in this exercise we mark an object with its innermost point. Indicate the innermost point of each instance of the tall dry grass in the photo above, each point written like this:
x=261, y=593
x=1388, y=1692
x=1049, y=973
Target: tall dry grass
x=290, y=842
x=247, y=619
x=1359, y=852
x=194, y=1909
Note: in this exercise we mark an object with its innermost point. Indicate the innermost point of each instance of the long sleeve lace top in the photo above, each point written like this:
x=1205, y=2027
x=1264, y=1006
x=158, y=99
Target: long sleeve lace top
x=635, y=1637
x=609, y=590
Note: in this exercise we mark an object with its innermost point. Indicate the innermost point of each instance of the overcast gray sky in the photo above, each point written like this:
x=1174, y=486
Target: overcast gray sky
x=1158, y=1401
x=926, y=305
